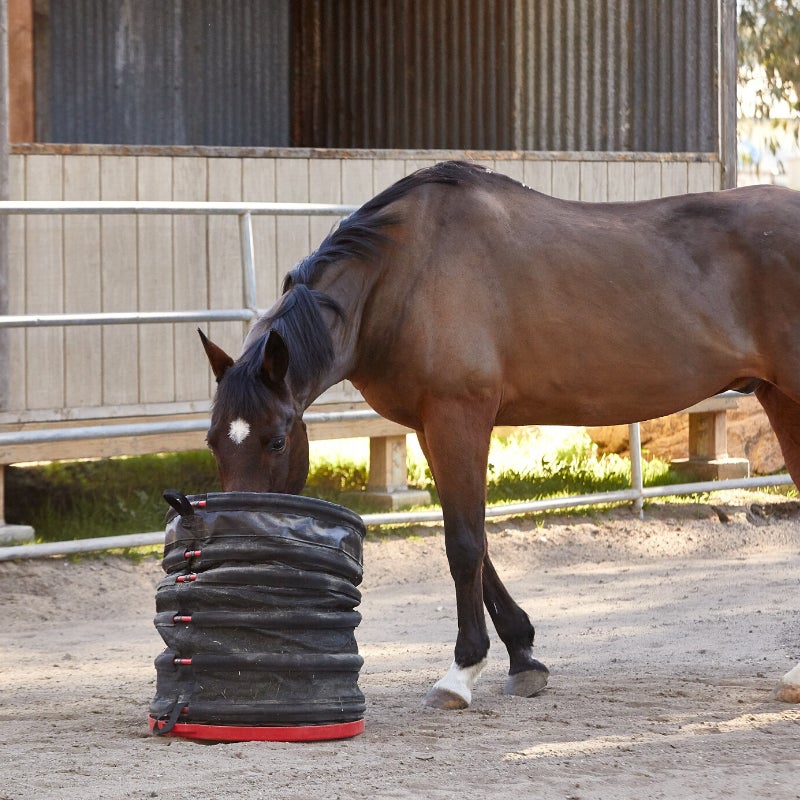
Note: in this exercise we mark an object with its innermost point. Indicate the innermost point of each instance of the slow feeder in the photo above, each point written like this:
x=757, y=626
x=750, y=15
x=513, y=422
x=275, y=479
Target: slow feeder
x=257, y=610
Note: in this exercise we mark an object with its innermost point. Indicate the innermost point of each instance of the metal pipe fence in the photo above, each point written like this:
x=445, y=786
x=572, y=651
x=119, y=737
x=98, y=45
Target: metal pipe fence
x=636, y=494
x=244, y=211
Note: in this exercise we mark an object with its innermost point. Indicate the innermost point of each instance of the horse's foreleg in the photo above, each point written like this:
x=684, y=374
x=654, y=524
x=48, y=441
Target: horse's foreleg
x=456, y=444
x=784, y=416
x=526, y=675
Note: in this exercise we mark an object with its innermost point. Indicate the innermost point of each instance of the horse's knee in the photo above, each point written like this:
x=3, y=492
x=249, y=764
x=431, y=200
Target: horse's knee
x=465, y=555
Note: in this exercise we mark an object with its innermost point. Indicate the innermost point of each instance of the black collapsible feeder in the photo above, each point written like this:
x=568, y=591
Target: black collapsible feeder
x=257, y=610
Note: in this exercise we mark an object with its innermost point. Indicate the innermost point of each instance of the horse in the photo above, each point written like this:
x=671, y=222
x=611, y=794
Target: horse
x=458, y=299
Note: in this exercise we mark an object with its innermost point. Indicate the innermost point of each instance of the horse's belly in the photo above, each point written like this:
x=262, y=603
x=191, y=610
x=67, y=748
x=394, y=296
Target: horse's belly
x=592, y=400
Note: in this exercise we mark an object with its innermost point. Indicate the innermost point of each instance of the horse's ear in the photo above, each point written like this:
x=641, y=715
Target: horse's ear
x=217, y=357
x=276, y=358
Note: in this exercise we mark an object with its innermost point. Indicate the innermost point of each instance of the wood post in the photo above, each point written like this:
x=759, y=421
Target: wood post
x=708, y=443
x=387, y=485
x=387, y=464
x=708, y=435
x=11, y=534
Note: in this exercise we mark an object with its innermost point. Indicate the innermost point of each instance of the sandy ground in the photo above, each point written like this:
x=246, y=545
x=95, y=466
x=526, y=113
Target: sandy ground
x=665, y=638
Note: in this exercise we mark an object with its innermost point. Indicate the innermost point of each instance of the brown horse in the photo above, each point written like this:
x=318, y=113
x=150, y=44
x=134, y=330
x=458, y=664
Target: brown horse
x=458, y=299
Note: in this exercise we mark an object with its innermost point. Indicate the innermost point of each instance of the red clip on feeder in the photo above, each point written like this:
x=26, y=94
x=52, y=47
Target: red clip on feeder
x=257, y=610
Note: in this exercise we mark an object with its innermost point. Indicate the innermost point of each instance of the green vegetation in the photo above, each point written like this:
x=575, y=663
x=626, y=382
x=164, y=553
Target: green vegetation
x=86, y=499
x=768, y=43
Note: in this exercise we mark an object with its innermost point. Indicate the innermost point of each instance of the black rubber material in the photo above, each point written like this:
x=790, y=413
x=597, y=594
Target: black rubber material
x=258, y=612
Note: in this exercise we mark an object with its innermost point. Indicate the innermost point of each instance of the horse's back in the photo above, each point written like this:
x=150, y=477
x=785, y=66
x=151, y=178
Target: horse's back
x=585, y=312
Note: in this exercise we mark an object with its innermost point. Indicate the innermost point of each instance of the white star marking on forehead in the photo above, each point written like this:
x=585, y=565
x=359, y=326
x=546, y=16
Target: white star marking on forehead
x=238, y=431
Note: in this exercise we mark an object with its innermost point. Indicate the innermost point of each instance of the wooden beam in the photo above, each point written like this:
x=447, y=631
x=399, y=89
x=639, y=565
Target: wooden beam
x=22, y=109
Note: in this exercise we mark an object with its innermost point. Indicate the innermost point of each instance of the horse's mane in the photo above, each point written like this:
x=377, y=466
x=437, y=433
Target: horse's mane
x=297, y=315
x=361, y=234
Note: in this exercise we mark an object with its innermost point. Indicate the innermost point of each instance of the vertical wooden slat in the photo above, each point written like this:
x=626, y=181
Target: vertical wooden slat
x=190, y=265
x=17, y=267
x=647, y=180
x=511, y=168
x=325, y=186
x=224, y=251
x=674, y=178
x=386, y=172
x=155, y=276
x=567, y=180
x=719, y=173
x=119, y=283
x=621, y=181
x=44, y=286
x=357, y=183
x=700, y=177
x=258, y=185
x=539, y=175
x=21, y=79
x=594, y=181
x=291, y=186
x=82, y=282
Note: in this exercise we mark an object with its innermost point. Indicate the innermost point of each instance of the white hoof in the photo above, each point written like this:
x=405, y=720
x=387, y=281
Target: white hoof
x=455, y=689
x=789, y=688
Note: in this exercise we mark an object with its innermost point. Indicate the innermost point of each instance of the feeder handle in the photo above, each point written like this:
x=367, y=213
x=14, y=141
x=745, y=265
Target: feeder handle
x=179, y=502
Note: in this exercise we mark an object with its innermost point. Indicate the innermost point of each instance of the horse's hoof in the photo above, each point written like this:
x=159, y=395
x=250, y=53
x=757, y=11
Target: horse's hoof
x=788, y=690
x=455, y=689
x=527, y=683
x=444, y=699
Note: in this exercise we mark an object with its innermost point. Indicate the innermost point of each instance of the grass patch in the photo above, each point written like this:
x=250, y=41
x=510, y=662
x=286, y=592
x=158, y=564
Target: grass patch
x=65, y=500
x=87, y=499
x=528, y=465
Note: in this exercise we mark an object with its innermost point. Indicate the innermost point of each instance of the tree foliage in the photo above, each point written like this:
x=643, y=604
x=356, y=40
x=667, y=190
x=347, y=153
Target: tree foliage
x=769, y=47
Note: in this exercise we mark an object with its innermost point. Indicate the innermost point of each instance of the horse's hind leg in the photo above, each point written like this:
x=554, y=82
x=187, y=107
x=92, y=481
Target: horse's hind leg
x=526, y=675
x=784, y=416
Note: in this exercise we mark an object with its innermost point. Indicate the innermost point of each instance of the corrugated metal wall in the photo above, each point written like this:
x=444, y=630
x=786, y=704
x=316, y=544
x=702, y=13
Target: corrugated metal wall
x=198, y=72
x=613, y=75
x=618, y=75
x=507, y=74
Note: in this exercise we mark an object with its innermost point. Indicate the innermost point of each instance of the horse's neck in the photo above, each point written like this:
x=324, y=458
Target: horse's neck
x=306, y=392
x=348, y=286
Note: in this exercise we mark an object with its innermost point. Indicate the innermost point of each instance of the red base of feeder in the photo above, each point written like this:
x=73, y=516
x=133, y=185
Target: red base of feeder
x=260, y=733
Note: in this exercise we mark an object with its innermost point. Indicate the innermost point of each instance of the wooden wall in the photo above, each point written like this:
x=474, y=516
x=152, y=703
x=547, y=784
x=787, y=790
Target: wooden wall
x=76, y=264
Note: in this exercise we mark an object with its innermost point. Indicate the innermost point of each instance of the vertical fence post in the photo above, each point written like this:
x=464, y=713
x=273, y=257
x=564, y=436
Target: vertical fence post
x=637, y=474
x=4, y=193
x=248, y=262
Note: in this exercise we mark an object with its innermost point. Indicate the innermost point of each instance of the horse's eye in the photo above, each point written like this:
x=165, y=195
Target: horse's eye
x=277, y=445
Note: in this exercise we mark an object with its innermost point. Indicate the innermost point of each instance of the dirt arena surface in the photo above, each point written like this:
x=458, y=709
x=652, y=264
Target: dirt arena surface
x=665, y=639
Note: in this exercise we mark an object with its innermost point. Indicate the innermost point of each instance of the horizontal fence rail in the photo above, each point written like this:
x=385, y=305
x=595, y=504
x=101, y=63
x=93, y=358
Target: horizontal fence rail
x=48, y=435
x=174, y=208
x=633, y=495
x=636, y=495
x=125, y=318
x=203, y=207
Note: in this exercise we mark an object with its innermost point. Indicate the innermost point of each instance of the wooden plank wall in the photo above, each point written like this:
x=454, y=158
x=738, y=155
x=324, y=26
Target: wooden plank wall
x=79, y=264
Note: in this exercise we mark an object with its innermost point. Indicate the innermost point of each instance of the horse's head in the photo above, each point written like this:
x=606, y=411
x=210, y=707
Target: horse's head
x=257, y=434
